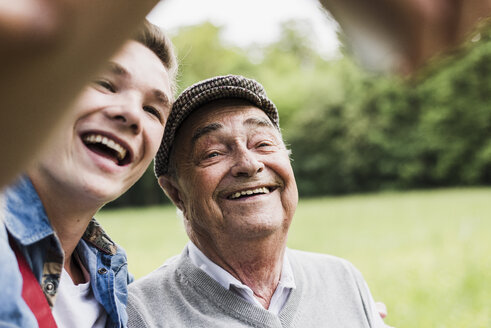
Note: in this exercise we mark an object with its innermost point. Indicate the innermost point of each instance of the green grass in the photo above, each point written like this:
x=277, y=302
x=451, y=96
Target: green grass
x=426, y=254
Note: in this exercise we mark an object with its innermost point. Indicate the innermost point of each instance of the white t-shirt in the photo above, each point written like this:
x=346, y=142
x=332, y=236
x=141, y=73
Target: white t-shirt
x=76, y=306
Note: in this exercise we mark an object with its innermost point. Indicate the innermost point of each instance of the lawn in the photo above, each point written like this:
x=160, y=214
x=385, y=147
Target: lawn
x=426, y=254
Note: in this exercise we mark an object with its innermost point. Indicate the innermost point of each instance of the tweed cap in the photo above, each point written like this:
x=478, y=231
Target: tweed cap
x=202, y=93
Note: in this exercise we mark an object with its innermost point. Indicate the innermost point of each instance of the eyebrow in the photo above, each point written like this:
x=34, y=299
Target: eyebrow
x=161, y=97
x=205, y=130
x=259, y=121
x=119, y=70
x=254, y=121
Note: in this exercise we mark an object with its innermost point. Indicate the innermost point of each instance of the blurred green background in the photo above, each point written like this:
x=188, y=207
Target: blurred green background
x=351, y=130
x=392, y=173
x=425, y=254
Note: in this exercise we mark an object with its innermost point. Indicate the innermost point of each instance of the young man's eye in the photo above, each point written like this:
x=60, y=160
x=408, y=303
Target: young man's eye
x=153, y=111
x=106, y=85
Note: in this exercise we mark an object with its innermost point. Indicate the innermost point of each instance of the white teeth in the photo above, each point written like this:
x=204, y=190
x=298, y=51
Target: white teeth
x=112, y=144
x=262, y=190
x=97, y=138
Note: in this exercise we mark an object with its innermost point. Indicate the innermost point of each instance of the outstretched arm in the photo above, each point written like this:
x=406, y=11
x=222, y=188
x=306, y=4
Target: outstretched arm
x=418, y=29
x=49, y=50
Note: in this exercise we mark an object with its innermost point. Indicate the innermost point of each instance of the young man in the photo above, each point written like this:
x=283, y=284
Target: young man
x=50, y=50
x=224, y=164
x=115, y=131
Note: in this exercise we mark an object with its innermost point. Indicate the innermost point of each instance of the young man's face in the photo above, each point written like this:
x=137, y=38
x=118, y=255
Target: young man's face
x=116, y=129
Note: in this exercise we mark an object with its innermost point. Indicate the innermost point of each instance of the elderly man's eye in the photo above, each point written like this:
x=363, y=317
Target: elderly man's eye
x=264, y=144
x=212, y=154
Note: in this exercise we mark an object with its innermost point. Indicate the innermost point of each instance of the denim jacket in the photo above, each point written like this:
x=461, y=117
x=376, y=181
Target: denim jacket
x=26, y=221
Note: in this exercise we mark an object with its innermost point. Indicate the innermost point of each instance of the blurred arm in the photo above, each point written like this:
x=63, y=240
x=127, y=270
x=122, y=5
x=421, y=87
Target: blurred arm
x=418, y=29
x=49, y=50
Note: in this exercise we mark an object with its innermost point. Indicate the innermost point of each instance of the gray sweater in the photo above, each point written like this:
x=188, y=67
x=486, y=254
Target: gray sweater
x=329, y=292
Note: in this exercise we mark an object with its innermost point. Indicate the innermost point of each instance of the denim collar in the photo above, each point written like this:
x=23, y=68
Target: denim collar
x=27, y=221
x=25, y=217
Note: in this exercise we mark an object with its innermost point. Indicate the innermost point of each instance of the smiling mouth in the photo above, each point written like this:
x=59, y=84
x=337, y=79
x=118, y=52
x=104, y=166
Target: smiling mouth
x=107, y=147
x=251, y=192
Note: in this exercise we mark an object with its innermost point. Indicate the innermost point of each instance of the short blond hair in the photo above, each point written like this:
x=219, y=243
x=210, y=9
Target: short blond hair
x=154, y=38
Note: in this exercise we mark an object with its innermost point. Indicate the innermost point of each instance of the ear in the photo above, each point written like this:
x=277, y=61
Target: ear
x=171, y=189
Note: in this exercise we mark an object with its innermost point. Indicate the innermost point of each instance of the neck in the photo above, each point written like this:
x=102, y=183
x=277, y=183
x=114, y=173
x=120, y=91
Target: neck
x=259, y=267
x=69, y=216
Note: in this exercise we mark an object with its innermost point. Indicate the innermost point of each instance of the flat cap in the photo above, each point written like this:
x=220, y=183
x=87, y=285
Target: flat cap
x=202, y=93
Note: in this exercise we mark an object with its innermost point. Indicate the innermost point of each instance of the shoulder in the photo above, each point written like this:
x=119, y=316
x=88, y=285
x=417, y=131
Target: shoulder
x=153, y=295
x=154, y=281
x=325, y=267
x=337, y=282
x=318, y=260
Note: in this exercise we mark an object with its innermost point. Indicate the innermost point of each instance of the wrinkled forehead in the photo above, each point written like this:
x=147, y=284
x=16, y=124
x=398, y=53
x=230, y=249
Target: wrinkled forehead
x=224, y=114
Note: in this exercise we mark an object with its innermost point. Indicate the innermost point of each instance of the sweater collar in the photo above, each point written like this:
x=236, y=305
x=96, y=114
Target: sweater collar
x=224, y=278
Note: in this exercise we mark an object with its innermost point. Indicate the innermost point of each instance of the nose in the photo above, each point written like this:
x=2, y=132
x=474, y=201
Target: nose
x=246, y=164
x=127, y=113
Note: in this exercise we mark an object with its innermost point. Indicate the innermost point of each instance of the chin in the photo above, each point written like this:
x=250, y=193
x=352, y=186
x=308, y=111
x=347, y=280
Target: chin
x=102, y=191
x=260, y=228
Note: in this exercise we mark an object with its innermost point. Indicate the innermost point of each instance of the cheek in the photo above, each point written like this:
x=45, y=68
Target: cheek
x=203, y=214
x=88, y=102
x=153, y=137
x=282, y=167
x=290, y=198
x=292, y=191
x=201, y=199
x=203, y=187
x=290, y=194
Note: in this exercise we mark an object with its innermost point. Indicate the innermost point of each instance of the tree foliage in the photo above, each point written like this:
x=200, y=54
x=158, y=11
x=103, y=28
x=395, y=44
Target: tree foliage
x=352, y=131
x=387, y=133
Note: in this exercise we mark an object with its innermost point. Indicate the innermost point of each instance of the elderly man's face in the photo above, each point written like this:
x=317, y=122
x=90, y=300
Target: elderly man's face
x=234, y=173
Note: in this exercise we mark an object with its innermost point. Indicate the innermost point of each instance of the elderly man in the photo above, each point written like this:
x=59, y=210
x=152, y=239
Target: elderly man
x=224, y=164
